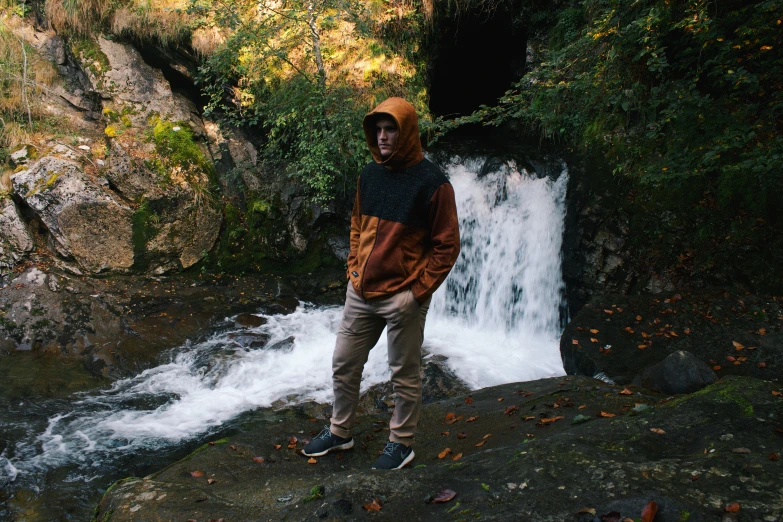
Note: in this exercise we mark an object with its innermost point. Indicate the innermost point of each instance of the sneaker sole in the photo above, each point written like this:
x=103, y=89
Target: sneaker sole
x=346, y=446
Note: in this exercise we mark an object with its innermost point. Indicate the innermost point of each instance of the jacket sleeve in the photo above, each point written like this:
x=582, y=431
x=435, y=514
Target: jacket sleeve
x=356, y=217
x=444, y=243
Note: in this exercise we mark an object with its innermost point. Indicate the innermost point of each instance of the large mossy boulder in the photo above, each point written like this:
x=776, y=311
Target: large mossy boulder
x=562, y=449
x=84, y=220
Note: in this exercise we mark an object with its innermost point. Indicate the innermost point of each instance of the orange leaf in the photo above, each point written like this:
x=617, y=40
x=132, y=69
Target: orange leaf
x=642, y=346
x=233, y=447
x=638, y=317
x=292, y=442
x=649, y=511
x=762, y=365
x=457, y=456
x=673, y=334
x=468, y=400
x=455, y=419
x=529, y=417
x=258, y=459
x=480, y=443
x=583, y=406
x=553, y=419
x=311, y=460
x=375, y=505
x=471, y=419
x=659, y=431
x=574, y=341
x=687, y=331
x=445, y=433
x=450, y=415
x=737, y=345
x=776, y=393
x=500, y=399
x=488, y=435
x=196, y=474
x=774, y=457
x=645, y=335
x=610, y=312
x=605, y=414
x=510, y=410
x=462, y=435
x=593, y=340
x=628, y=329
x=278, y=446
x=762, y=331
x=625, y=391
x=593, y=331
x=210, y=481
x=442, y=454
x=732, y=508
x=716, y=367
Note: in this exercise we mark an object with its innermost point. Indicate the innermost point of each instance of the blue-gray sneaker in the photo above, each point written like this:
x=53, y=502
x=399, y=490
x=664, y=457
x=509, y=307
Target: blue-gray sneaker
x=325, y=442
x=394, y=456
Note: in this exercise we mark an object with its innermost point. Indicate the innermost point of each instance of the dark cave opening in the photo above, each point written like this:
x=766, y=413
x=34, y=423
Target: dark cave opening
x=476, y=57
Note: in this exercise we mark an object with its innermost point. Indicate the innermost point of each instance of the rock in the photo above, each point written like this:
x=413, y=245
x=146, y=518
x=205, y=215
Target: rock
x=127, y=177
x=680, y=372
x=130, y=83
x=23, y=155
x=15, y=239
x=249, y=320
x=83, y=219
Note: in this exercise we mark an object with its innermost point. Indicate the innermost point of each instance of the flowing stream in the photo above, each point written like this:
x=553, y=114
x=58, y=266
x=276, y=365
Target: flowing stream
x=497, y=319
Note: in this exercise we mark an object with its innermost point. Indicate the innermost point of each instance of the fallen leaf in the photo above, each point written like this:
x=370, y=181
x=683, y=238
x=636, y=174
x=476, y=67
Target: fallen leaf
x=716, y=367
x=292, y=442
x=761, y=365
x=593, y=340
x=210, y=481
x=278, y=446
x=605, y=414
x=776, y=393
x=480, y=443
x=645, y=335
x=694, y=478
x=196, y=474
x=629, y=329
x=774, y=457
x=737, y=345
x=610, y=312
x=457, y=456
x=234, y=448
x=731, y=358
x=687, y=331
x=593, y=331
x=211, y=443
x=462, y=435
x=574, y=341
x=649, y=511
x=450, y=416
x=742, y=451
x=529, y=417
x=619, y=309
x=311, y=460
x=455, y=419
x=468, y=400
x=375, y=505
x=444, y=433
x=732, y=508
x=488, y=435
x=553, y=419
x=587, y=510
x=442, y=454
x=510, y=410
x=471, y=419
x=258, y=459
x=638, y=317
x=444, y=496
x=582, y=407
x=501, y=399
x=762, y=331
x=673, y=334
x=625, y=391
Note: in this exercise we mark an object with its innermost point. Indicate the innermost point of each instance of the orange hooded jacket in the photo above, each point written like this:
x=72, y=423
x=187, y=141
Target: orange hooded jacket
x=404, y=226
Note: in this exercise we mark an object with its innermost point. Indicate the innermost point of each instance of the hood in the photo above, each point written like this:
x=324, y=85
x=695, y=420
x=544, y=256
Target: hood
x=408, y=151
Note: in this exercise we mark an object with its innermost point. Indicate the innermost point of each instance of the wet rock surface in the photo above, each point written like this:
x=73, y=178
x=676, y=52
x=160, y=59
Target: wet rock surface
x=119, y=326
x=733, y=333
x=511, y=452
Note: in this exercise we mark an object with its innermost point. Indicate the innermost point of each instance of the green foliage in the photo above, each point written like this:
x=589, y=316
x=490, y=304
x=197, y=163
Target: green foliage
x=143, y=223
x=665, y=91
x=292, y=71
x=315, y=493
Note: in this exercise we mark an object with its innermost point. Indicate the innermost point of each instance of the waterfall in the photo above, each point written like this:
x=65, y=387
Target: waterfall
x=496, y=319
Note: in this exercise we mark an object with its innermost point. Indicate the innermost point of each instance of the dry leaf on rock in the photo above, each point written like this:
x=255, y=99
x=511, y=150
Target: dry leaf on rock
x=457, y=456
x=311, y=460
x=659, y=431
x=444, y=496
x=442, y=454
x=732, y=508
x=625, y=391
x=462, y=435
x=375, y=505
x=258, y=459
x=649, y=511
x=605, y=414
x=196, y=474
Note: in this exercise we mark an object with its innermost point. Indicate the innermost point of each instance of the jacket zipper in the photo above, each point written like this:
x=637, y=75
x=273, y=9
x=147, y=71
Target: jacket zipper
x=364, y=269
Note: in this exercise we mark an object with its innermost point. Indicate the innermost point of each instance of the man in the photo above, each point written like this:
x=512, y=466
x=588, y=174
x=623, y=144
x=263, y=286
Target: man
x=404, y=241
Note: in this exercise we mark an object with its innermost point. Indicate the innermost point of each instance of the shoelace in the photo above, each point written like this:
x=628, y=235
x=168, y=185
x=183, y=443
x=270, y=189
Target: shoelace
x=389, y=449
x=325, y=434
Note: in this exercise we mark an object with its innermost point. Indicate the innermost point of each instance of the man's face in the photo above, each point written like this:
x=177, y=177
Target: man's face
x=387, y=134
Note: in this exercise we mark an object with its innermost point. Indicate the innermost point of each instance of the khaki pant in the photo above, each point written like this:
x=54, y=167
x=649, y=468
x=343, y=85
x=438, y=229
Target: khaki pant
x=360, y=329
